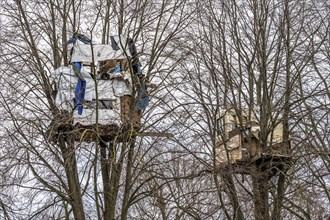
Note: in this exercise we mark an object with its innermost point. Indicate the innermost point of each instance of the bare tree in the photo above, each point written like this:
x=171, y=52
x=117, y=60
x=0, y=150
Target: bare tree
x=63, y=176
x=254, y=55
x=270, y=58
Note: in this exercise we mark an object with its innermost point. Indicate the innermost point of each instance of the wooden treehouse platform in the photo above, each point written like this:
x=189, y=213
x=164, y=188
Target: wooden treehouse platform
x=128, y=128
x=111, y=132
x=272, y=164
x=240, y=149
x=89, y=133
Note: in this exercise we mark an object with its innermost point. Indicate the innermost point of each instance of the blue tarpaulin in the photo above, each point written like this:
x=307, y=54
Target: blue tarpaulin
x=143, y=98
x=77, y=66
x=80, y=95
x=80, y=88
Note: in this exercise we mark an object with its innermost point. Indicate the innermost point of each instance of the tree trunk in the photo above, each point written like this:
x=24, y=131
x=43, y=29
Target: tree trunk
x=105, y=169
x=260, y=195
x=128, y=181
x=280, y=196
x=70, y=165
x=115, y=179
x=231, y=191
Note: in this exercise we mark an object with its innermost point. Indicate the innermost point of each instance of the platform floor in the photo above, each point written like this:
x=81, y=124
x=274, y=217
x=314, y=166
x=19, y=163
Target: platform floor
x=260, y=163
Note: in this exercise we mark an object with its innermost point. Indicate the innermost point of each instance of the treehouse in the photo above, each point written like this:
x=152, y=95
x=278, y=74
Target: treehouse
x=95, y=95
x=239, y=143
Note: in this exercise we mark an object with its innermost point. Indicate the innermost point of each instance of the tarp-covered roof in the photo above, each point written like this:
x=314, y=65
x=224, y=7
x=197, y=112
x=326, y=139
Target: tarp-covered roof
x=101, y=52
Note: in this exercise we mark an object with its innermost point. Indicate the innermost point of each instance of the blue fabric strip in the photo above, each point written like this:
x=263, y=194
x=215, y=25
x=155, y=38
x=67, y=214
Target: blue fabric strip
x=80, y=90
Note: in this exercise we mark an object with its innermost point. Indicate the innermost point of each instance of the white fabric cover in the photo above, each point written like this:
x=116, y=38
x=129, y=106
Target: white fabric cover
x=83, y=52
x=107, y=89
x=106, y=116
x=64, y=78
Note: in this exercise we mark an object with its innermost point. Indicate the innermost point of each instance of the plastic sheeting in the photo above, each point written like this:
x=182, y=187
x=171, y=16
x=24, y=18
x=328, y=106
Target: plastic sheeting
x=143, y=98
x=101, y=52
x=113, y=89
x=105, y=116
x=80, y=95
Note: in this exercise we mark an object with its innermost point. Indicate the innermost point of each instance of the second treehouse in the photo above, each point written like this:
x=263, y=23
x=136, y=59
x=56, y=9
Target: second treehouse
x=102, y=93
x=240, y=147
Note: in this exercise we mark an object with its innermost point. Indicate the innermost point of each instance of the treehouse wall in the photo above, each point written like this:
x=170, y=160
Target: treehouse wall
x=239, y=139
x=104, y=93
x=97, y=90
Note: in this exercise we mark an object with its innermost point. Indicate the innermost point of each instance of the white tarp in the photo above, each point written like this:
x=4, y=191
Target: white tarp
x=105, y=116
x=101, y=52
x=64, y=77
x=106, y=89
x=66, y=82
